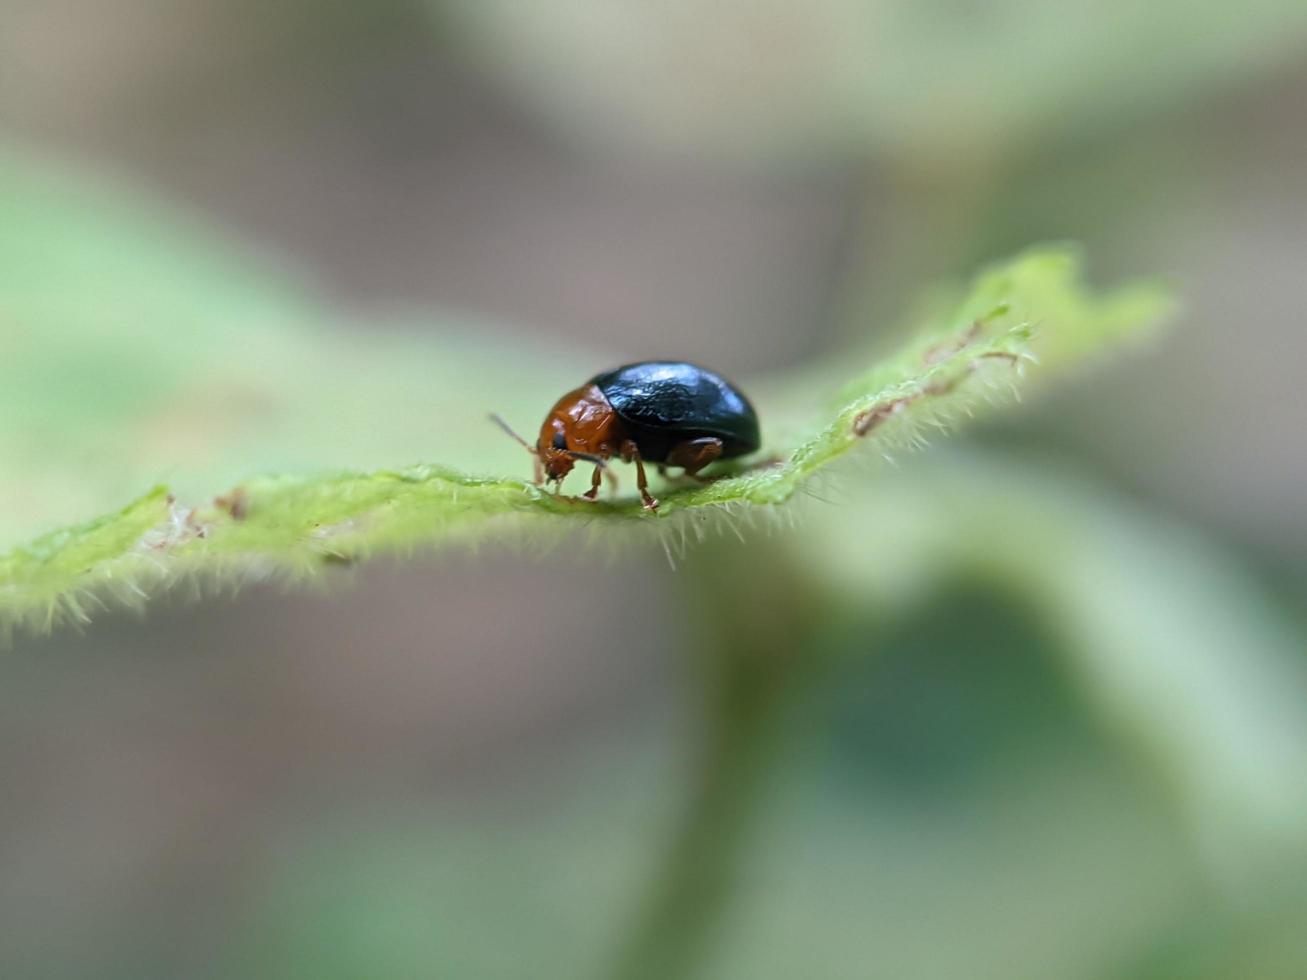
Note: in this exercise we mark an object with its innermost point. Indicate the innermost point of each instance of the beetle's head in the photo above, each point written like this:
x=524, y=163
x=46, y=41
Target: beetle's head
x=555, y=459
x=557, y=463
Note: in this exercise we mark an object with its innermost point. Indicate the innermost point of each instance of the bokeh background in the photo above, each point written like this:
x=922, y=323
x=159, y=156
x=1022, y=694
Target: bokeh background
x=954, y=772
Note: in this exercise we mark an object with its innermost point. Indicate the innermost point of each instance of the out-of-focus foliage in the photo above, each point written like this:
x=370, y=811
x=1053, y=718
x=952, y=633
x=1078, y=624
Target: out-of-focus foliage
x=1051, y=844
x=278, y=374
x=1147, y=614
x=848, y=76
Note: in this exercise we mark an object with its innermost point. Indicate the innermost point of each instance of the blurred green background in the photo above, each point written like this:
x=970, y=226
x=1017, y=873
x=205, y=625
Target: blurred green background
x=1031, y=707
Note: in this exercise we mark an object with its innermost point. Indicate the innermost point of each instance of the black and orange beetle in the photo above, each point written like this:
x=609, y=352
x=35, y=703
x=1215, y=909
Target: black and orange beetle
x=664, y=412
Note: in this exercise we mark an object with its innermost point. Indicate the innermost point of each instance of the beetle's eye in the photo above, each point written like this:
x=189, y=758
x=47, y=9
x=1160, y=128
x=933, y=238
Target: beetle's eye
x=560, y=441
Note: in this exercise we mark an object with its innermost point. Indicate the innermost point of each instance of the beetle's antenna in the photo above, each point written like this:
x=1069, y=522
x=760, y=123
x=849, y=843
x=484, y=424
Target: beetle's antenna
x=587, y=457
x=498, y=420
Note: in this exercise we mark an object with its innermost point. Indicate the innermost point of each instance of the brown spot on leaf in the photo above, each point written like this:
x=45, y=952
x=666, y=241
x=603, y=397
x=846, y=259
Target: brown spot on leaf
x=236, y=503
x=946, y=349
x=868, y=419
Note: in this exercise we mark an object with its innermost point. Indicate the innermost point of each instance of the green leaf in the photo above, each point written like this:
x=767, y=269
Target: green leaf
x=142, y=352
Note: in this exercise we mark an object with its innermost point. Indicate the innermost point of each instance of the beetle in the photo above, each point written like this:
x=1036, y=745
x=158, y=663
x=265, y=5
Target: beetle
x=665, y=412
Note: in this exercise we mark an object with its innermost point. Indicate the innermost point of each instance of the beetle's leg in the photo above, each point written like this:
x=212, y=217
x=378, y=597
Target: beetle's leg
x=539, y=471
x=631, y=453
x=694, y=455
x=595, y=479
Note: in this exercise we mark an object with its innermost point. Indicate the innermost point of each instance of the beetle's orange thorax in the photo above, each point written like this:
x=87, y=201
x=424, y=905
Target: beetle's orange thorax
x=587, y=423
